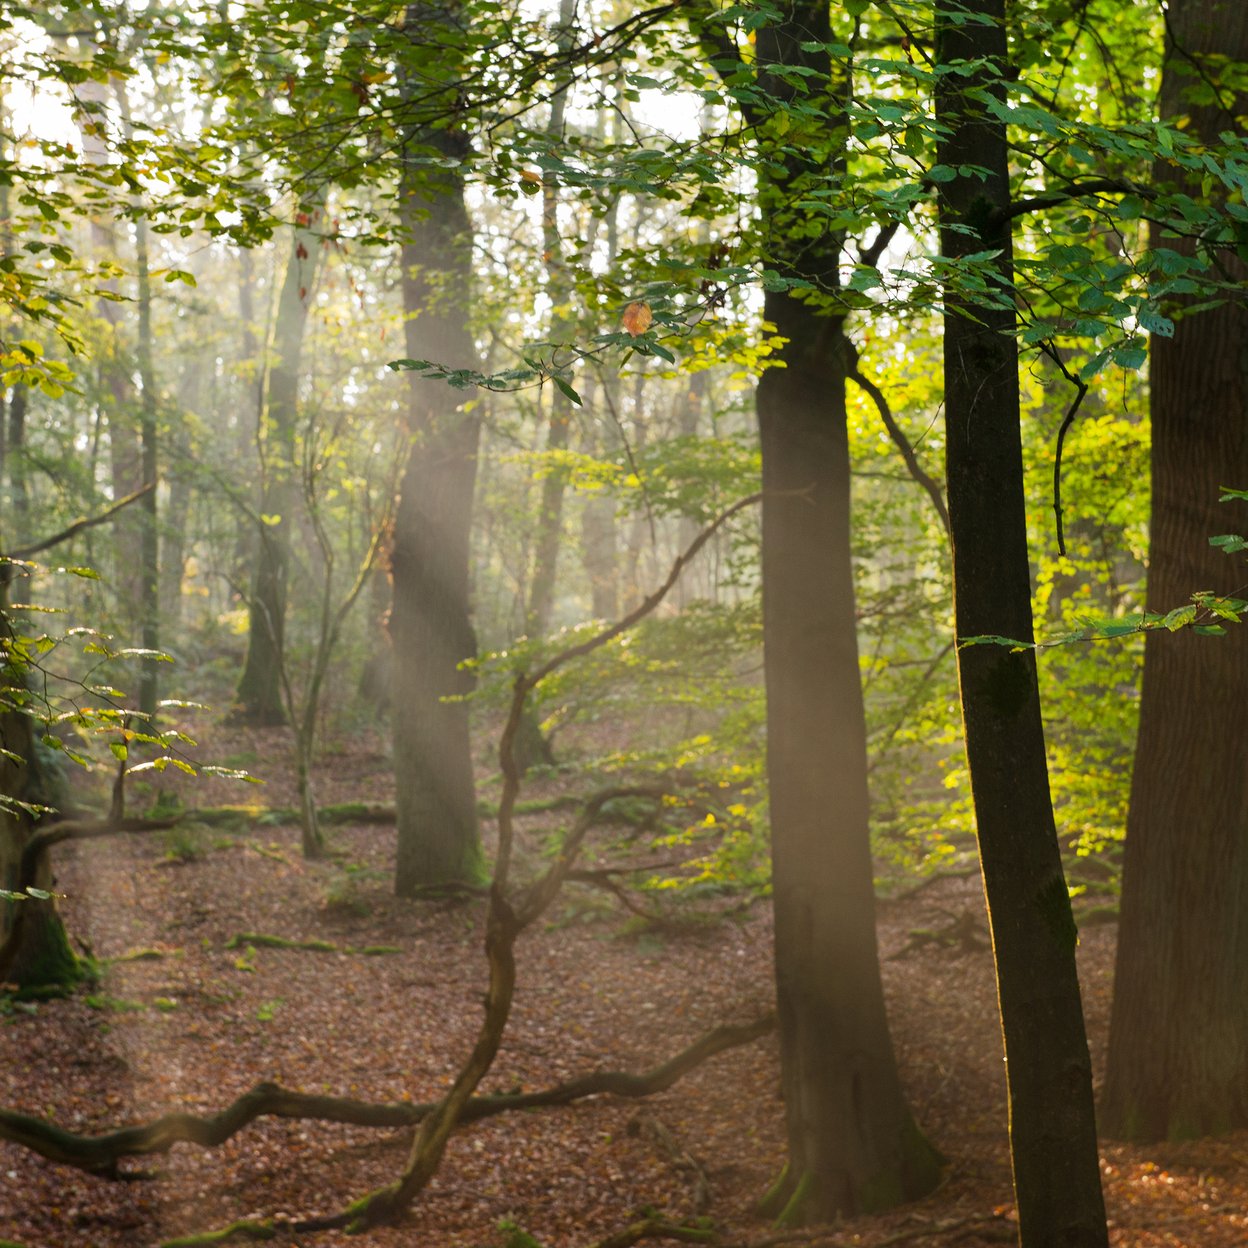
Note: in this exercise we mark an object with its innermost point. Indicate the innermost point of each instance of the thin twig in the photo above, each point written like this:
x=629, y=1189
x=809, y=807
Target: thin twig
x=1081, y=389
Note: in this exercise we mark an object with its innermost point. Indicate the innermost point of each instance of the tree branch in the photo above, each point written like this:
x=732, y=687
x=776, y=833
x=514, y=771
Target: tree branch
x=895, y=431
x=80, y=526
x=100, y=1154
x=1081, y=389
x=1076, y=190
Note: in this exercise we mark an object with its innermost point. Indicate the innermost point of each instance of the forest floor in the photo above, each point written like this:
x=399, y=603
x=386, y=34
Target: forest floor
x=201, y=1023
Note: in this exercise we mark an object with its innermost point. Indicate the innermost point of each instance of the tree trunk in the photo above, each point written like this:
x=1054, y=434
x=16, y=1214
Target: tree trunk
x=36, y=957
x=549, y=520
x=1057, y=1178
x=173, y=544
x=1178, y=1047
x=853, y=1145
x=259, y=694
x=430, y=621
x=15, y=460
x=558, y=290
x=149, y=549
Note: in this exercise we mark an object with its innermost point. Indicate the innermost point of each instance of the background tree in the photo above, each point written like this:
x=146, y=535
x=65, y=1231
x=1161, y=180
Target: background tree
x=259, y=695
x=430, y=622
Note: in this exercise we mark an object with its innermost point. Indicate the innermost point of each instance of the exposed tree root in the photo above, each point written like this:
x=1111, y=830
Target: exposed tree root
x=236, y=1230
x=990, y=1226
x=101, y=1154
x=43, y=840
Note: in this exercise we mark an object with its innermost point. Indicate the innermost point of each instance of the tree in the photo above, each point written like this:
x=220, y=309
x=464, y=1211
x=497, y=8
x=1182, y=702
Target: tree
x=1178, y=1047
x=259, y=694
x=1057, y=1178
x=853, y=1144
x=430, y=621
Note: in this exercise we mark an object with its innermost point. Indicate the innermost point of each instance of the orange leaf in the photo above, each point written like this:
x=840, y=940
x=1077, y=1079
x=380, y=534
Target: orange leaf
x=637, y=318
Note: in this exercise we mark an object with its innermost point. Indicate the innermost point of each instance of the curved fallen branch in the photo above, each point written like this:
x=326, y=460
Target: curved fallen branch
x=993, y=1226
x=507, y=918
x=101, y=1154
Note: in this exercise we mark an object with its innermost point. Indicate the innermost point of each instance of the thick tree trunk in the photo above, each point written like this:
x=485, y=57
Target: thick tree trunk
x=1178, y=1050
x=430, y=621
x=259, y=693
x=853, y=1145
x=1057, y=1178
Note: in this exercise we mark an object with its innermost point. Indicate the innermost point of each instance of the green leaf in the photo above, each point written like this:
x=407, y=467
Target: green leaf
x=1229, y=542
x=1155, y=323
x=567, y=391
x=1180, y=617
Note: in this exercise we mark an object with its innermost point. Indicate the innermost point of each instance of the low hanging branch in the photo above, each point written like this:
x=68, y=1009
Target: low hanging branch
x=507, y=917
x=101, y=1154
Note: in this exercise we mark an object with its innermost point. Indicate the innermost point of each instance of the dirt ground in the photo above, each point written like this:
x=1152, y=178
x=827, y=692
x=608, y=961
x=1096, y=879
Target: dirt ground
x=203, y=1022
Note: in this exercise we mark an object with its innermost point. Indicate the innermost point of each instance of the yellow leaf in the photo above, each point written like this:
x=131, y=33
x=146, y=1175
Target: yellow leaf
x=637, y=318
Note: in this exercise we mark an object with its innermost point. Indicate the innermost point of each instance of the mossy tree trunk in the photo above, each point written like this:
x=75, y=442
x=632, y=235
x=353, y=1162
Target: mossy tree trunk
x=1178, y=1047
x=37, y=956
x=1057, y=1177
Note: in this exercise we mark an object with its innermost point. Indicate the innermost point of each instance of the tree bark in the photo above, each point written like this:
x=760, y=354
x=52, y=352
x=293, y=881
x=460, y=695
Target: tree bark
x=430, y=621
x=259, y=693
x=559, y=428
x=1057, y=1178
x=35, y=953
x=1178, y=1049
x=853, y=1144
x=149, y=439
